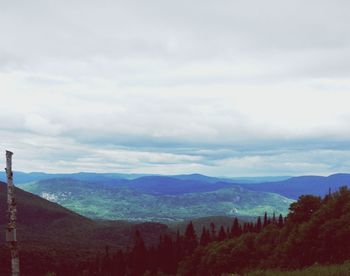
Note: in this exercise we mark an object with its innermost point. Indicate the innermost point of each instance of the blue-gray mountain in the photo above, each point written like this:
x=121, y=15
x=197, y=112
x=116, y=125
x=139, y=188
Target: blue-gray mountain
x=297, y=186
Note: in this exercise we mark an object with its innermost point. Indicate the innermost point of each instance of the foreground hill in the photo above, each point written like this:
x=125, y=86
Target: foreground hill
x=157, y=199
x=43, y=222
x=49, y=233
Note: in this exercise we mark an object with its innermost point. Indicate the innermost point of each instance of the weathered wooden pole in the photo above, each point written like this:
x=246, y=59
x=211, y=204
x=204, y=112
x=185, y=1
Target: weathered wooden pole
x=11, y=236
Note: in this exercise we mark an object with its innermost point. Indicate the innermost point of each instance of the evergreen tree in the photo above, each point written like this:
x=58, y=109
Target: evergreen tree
x=280, y=221
x=190, y=239
x=258, y=225
x=222, y=234
x=166, y=255
x=138, y=256
x=106, y=266
x=212, y=231
x=236, y=229
x=119, y=264
x=265, y=220
x=274, y=221
x=205, y=237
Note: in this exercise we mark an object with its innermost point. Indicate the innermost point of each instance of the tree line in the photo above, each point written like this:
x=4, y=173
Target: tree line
x=172, y=252
x=316, y=230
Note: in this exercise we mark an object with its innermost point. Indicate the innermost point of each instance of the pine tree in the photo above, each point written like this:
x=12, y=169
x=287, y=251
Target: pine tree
x=280, y=221
x=222, y=234
x=119, y=264
x=138, y=256
x=236, y=229
x=190, y=239
x=212, y=231
x=265, y=220
x=274, y=221
x=258, y=225
x=205, y=237
x=166, y=255
x=106, y=266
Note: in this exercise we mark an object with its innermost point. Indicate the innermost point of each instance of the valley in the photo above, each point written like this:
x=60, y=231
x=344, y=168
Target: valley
x=157, y=198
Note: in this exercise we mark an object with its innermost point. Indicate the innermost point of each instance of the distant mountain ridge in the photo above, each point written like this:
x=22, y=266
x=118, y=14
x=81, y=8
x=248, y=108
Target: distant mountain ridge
x=22, y=177
x=297, y=186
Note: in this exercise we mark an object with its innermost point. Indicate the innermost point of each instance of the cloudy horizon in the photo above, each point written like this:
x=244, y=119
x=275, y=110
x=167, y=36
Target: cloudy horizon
x=225, y=88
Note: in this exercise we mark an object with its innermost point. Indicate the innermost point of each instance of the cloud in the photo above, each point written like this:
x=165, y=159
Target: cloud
x=231, y=87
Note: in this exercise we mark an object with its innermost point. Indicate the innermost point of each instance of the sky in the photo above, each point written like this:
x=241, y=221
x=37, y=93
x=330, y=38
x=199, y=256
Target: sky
x=223, y=88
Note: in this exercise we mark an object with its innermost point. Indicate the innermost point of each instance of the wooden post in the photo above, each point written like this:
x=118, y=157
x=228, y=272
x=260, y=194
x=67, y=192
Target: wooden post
x=11, y=236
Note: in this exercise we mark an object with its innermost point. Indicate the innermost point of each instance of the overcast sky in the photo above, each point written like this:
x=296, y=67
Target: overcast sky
x=227, y=88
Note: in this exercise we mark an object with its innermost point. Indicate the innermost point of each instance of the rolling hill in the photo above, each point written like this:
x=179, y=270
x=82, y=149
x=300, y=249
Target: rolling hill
x=160, y=199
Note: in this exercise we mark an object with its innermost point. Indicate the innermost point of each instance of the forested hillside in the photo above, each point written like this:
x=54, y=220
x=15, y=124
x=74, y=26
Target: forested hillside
x=316, y=230
x=53, y=238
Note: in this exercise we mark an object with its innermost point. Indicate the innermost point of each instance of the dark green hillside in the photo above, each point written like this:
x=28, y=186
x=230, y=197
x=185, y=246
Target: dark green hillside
x=316, y=231
x=105, y=201
x=41, y=219
x=46, y=229
x=48, y=221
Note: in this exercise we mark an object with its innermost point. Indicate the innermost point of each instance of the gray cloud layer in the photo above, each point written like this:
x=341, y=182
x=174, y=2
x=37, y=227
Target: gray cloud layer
x=224, y=88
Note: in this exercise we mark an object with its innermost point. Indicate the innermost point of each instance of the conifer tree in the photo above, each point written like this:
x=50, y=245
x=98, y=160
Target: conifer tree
x=205, y=237
x=258, y=225
x=222, y=234
x=190, y=239
x=236, y=229
x=212, y=231
x=119, y=267
x=265, y=220
x=274, y=221
x=138, y=256
x=280, y=221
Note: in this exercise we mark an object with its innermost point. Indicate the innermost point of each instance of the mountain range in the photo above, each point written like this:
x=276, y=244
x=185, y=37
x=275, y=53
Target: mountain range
x=173, y=198
x=75, y=216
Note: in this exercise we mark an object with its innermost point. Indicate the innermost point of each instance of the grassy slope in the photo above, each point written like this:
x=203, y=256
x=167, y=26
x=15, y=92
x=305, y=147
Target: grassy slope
x=331, y=270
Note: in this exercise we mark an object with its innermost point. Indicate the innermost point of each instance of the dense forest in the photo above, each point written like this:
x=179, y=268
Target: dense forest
x=316, y=230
